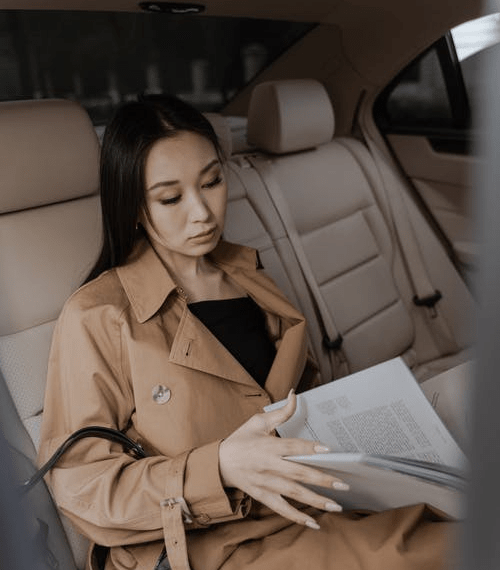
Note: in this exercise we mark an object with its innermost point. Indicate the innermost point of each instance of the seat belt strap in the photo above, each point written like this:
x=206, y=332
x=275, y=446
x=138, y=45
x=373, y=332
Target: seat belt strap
x=425, y=294
x=332, y=339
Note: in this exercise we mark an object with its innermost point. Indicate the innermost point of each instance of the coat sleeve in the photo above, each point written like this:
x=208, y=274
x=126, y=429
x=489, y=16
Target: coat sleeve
x=111, y=497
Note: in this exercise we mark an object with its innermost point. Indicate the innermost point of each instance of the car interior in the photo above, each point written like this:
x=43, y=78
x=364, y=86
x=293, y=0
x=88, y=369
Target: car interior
x=363, y=223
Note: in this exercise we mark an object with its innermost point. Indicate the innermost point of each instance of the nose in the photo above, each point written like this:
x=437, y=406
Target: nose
x=198, y=208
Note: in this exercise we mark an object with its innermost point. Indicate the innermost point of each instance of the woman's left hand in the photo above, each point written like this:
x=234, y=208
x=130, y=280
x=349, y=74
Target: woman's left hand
x=253, y=460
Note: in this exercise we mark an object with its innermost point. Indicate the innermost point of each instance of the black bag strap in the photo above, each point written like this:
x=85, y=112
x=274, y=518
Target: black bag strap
x=110, y=434
x=130, y=446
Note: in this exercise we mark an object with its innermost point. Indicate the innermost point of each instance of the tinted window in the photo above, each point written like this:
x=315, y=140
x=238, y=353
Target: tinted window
x=101, y=58
x=419, y=96
x=439, y=90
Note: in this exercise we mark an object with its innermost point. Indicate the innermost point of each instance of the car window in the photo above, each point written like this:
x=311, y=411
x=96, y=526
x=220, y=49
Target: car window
x=101, y=58
x=439, y=90
x=419, y=97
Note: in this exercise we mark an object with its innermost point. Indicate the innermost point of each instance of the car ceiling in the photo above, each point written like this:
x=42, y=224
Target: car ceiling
x=320, y=11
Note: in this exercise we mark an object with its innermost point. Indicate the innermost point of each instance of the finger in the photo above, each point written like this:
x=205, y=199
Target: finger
x=276, y=417
x=311, y=476
x=298, y=446
x=279, y=505
x=309, y=497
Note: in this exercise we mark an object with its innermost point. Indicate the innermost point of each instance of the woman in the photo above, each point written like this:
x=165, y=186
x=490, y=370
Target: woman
x=179, y=340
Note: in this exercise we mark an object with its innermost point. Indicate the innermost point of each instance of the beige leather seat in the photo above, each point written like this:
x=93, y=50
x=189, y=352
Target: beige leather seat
x=248, y=205
x=49, y=238
x=331, y=192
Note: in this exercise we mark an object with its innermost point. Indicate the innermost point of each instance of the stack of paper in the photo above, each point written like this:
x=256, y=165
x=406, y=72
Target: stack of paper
x=386, y=439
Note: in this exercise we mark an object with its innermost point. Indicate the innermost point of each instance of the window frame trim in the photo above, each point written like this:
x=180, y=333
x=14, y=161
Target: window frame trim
x=454, y=81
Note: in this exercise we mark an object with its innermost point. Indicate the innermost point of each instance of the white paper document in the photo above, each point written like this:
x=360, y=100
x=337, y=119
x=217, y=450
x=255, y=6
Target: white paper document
x=377, y=484
x=380, y=411
x=450, y=394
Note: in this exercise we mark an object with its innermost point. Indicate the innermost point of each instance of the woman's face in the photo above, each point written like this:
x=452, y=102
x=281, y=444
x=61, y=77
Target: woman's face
x=186, y=195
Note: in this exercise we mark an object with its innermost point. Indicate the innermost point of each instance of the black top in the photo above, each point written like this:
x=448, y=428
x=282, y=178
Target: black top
x=239, y=324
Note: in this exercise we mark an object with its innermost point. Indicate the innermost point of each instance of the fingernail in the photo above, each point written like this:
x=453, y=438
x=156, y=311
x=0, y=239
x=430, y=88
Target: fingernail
x=321, y=448
x=291, y=392
x=312, y=524
x=340, y=486
x=329, y=506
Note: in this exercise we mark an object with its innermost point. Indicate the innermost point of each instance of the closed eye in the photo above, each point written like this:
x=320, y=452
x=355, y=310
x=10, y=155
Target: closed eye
x=174, y=200
x=215, y=182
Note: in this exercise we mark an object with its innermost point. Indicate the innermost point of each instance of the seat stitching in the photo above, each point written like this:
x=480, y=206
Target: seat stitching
x=372, y=316
x=350, y=269
x=359, y=209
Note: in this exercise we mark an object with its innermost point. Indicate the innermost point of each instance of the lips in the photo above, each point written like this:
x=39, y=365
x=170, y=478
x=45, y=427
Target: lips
x=204, y=235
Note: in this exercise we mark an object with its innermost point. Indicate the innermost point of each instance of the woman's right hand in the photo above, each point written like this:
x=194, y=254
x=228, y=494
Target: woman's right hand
x=252, y=459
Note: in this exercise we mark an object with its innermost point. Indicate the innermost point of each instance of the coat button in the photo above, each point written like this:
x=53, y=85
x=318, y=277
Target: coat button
x=161, y=394
x=203, y=519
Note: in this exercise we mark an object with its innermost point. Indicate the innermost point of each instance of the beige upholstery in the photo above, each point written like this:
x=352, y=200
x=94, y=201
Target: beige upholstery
x=344, y=228
x=49, y=239
x=45, y=151
x=248, y=205
x=278, y=122
x=251, y=220
x=39, y=267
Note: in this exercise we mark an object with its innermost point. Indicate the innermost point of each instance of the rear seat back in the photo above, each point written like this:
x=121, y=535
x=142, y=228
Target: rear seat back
x=342, y=225
x=49, y=239
x=251, y=220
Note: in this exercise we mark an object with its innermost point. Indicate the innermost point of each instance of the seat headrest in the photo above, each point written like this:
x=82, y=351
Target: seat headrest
x=49, y=152
x=290, y=115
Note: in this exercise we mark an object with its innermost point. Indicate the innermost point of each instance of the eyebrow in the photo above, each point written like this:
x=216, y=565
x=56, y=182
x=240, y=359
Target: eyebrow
x=174, y=182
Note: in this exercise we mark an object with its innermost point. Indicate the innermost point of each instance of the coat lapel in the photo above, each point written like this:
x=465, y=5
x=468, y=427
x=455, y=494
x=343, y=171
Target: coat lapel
x=291, y=355
x=194, y=346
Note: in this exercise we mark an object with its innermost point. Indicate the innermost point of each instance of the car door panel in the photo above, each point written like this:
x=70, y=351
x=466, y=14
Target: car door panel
x=443, y=182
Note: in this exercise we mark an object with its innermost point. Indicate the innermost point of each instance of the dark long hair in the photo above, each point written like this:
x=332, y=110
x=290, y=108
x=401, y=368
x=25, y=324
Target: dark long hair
x=131, y=133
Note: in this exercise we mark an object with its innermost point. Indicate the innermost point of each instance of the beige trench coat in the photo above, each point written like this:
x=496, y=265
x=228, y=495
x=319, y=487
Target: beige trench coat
x=127, y=353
